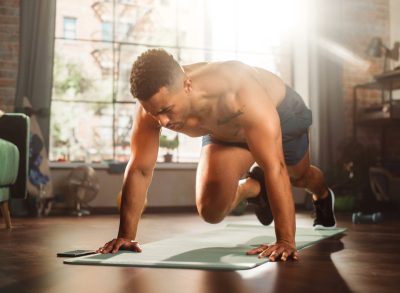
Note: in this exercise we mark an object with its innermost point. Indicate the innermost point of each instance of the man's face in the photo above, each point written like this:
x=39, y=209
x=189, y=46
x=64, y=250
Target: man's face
x=170, y=107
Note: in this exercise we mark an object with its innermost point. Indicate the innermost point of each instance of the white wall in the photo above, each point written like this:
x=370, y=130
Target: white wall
x=172, y=185
x=394, y=21
x=395, y=32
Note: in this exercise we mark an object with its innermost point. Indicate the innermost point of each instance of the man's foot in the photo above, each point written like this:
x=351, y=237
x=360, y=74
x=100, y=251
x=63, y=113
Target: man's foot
x=263, y=210
x=324, y=210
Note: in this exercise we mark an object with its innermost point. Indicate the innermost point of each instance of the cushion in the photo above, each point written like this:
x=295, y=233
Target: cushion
x=9, y=158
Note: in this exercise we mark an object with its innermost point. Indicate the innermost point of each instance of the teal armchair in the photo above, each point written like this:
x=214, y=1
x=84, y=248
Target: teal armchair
x=14, y=156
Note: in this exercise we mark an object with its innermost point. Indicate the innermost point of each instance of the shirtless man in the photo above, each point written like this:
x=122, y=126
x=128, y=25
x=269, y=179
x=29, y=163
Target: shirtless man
x=245, y=115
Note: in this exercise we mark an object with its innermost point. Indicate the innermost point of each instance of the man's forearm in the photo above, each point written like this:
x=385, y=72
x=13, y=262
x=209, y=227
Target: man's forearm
x=134, y=193
x=282, y=204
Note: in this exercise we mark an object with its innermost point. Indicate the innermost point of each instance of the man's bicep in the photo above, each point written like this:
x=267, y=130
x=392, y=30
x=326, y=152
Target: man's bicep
x=264, y=136
x=144, y=142
x=265, y=145
x=261, y=124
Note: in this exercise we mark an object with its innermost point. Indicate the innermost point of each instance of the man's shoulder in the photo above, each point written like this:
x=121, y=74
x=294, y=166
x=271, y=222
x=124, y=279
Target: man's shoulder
x=194, y=66
x=215, y=65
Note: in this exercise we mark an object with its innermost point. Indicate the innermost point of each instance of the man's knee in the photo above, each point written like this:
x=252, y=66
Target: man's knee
x=301, y=179
x=210, y=203
x=210, y=214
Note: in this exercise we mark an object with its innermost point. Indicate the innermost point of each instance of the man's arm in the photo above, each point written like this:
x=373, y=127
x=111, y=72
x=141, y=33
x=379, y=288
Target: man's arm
x=137, y=178
x=262, y=128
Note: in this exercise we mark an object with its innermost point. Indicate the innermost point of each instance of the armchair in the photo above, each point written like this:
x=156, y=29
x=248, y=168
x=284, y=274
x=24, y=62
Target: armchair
x=14, y=156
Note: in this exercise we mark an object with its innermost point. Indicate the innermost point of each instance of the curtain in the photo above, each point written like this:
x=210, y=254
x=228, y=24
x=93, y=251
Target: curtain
x=326, y=84
x=37, y=29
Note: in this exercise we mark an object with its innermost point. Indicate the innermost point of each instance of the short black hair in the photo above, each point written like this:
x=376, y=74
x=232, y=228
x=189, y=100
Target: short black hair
x=152, y=70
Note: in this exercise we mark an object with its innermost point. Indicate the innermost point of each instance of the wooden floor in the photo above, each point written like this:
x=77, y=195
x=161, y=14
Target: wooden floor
x=365, y=259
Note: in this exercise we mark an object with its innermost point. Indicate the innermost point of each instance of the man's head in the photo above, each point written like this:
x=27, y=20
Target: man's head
x=160, y=85
x=153, y=70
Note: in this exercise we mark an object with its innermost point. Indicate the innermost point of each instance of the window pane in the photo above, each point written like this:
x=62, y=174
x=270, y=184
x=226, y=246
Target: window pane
x=147, y=22
x=193, y=24
x=221, y=21
x=98, y=41
x=107, y=31
x=124, y=115
x=88, y=14
x=82, y=71
x=188, y=149
x=81, y=131
x=69, y=28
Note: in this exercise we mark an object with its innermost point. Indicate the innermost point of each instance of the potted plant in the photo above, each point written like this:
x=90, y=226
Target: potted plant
x=169, y=144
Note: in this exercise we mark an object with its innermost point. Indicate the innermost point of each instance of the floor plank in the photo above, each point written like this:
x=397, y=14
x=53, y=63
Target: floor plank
x=365, y=259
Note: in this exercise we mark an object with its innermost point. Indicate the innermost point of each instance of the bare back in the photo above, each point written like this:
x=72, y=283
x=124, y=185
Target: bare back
x=221, y=82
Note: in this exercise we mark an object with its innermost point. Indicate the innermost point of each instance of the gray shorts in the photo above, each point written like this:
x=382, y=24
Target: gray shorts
x=295, y=120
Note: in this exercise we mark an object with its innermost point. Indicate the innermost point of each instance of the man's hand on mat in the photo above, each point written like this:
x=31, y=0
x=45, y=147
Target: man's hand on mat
x=279, y=250
x=120, y=243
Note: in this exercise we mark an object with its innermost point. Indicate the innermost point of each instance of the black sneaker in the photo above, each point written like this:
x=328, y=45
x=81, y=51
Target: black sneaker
x=324, y=210
x=262, y=208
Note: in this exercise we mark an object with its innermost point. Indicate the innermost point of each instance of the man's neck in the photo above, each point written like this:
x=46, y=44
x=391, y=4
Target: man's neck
x=201, y=106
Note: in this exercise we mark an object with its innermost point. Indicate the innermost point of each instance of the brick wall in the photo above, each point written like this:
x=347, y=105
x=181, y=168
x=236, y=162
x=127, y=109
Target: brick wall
x=362, y=21
x=9, y=50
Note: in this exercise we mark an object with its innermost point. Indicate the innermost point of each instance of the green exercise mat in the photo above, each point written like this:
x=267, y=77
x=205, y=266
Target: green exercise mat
x=223, y=249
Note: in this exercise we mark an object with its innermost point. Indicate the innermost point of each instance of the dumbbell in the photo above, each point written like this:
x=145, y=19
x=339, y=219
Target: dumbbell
x=367, y=218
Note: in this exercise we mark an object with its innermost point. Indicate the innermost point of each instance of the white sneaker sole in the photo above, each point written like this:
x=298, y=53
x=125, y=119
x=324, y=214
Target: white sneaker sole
x=320, y=227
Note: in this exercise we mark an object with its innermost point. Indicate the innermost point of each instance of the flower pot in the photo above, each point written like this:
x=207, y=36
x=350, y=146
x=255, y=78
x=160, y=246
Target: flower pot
x=168, y=158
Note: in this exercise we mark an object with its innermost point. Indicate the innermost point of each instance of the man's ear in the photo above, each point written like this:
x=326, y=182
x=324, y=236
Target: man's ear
x=187, y=85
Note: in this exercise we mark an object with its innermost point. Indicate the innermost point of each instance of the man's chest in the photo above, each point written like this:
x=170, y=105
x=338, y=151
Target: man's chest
x=225, y=128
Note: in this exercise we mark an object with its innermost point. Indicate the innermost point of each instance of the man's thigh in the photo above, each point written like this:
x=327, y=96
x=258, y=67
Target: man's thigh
x=218, y=172
x=298, y=170
x=299, y=153
x=295, y=149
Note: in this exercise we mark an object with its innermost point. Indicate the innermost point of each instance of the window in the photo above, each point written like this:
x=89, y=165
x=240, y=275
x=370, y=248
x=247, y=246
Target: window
x=92, y=109
x=69, y=28
x=107, y=31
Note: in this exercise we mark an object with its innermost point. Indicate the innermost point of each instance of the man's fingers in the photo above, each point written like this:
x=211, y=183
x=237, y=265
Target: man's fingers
x=266, y=252
x=101, y=249
x=108, y=246
x=130, y=245
x=272, y=255
x=257, y=250
x=276, y=253
x=116, y=246
x=107, y=249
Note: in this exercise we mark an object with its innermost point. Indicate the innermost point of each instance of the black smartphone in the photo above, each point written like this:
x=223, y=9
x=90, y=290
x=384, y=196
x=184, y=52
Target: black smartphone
x=75, y=253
